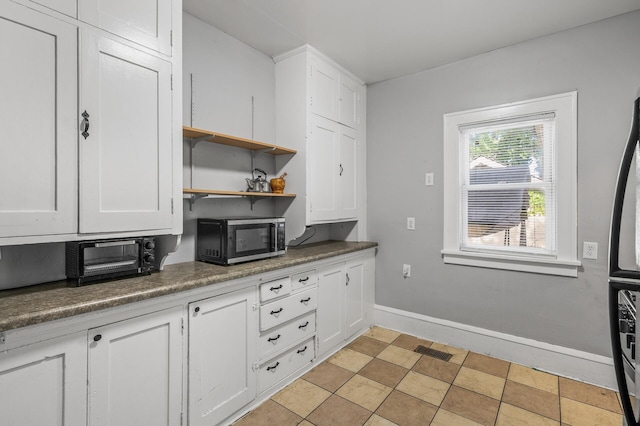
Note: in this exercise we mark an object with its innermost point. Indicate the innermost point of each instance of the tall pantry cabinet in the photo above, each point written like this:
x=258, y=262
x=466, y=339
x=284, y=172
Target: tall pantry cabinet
x=92, y=145
x=320, y=111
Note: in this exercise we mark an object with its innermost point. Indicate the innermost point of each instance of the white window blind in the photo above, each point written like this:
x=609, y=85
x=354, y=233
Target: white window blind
x=508, y=185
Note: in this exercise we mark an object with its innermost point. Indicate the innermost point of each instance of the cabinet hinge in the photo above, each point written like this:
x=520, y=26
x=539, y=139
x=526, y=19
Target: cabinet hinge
x=172, y=206
x=3, y=339
x=255, y=306
x=171, y=38
x=171, y=81
x=255, y=366
x=182, y=326
x=181, y=419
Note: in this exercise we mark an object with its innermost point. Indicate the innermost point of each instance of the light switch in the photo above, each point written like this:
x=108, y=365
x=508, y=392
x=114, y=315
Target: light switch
x=428, y=179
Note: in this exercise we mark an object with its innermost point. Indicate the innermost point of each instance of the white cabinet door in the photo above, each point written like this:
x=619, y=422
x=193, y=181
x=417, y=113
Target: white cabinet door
x=348, y=182
x=324, y=89
x=355, y=297
x=135, y=371
x=330, y=311
x=45, y=383
x=349, y=105
x=125, y=160
x=323, y=170
x=332, y=163
x=222, y=350
x=68, y=7
x=38, y=138
x=147, y=22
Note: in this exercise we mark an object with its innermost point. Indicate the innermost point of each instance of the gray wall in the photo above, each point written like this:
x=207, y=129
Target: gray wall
x=405, y=137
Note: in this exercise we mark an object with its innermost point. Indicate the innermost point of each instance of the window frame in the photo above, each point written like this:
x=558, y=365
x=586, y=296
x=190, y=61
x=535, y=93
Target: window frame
x=565, y=262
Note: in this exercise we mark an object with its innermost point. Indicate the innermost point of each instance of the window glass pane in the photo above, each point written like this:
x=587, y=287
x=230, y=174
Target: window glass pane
x=508, y=186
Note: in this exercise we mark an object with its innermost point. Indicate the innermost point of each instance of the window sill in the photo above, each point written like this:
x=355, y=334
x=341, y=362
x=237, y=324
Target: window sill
x=564, y=268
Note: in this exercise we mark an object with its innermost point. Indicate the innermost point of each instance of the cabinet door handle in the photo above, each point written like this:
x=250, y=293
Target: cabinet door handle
x=300, y=351
x=97, y=337
x=273, y=339
x=197, y=309
x=305, y=300
x=276, y=312
x=302, y=280
x=276, y=288
x=84, y=126
x=273, y=367
x=304, y=325
x=348, y=279
x=341, y=169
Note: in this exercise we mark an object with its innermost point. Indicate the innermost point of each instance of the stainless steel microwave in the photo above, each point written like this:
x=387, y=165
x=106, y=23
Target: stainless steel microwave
x=235, y=240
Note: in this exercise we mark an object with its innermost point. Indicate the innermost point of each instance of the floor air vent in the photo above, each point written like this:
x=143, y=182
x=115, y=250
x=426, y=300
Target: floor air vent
x=433, y=353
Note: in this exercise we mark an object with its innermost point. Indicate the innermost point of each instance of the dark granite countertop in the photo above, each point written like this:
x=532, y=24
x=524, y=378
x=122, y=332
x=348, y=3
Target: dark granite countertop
x=46, y=302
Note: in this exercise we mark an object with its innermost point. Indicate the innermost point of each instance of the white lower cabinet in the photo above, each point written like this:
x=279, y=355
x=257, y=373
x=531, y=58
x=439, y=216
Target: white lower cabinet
x=286, y=364
x=45, y=383
x=241, y=344
x=345, y=301
x=135, y=371
x=222, y=350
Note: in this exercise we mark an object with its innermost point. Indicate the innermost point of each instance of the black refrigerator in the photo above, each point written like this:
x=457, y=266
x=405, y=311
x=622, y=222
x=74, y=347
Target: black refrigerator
x=624, y=273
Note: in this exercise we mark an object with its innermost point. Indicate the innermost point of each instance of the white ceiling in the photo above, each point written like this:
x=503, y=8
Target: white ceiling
x=381, y=39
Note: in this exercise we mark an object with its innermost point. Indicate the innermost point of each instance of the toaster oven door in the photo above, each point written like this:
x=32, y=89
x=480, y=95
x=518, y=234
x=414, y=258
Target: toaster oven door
x=111, y=257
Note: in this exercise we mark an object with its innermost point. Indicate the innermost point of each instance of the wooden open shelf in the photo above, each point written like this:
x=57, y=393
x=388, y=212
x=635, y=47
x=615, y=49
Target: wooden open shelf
x=205, y=192
x=221, y=138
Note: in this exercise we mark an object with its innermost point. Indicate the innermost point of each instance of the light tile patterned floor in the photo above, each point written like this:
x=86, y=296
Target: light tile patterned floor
x=379, y=380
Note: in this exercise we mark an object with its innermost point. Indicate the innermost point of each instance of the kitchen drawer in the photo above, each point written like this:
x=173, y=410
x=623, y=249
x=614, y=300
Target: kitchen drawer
x=283, y=310
x=286, y=335
x=289, y=362
x=305, y=279
x=275, y=289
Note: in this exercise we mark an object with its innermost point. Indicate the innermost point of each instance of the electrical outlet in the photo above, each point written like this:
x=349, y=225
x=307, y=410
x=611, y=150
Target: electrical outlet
x=411, y=223
x=406, y=270
x=589, y=250
x=428, y=179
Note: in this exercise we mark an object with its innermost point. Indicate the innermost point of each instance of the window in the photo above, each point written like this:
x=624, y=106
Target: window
x=510, y=186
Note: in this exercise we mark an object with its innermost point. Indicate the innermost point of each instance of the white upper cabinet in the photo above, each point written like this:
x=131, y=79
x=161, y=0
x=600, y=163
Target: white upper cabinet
x=321, y=113
x=125, y=155
x=331, y=171
x=87, y=146
x=333, y=95
x=68, y=7
x=38, y=160
x=147, y=22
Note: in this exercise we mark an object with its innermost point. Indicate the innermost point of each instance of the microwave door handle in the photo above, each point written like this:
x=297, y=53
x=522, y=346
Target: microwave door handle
x=115, y=243
x=274, y=232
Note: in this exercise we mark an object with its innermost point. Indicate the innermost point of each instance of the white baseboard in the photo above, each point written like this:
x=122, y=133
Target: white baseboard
x=559, y=360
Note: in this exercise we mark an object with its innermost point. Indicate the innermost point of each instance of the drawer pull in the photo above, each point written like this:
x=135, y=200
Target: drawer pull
x=302, y=280
x=301, y=351
x=273, y=367
x=304, y=325
x=276, y=288
x=273, y=339
x=277, y=312
x=305, y=300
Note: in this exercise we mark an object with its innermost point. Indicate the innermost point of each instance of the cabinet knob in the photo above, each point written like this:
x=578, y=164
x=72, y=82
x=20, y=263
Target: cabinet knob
x=197, y=309
x=97, y=337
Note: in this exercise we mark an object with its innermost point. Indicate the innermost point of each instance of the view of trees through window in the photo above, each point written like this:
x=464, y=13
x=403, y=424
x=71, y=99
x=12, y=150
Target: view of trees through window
x=506, y=202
